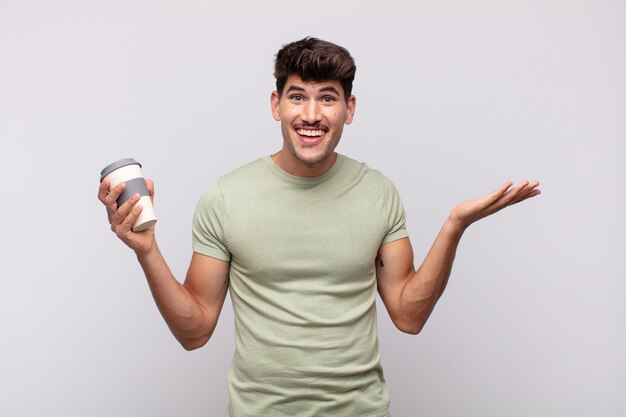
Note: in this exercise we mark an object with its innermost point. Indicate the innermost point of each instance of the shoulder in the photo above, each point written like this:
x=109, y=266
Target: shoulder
x=364, y=172
x=232, y=180
x=242, y=185
x=239, y=179
x=244, y=173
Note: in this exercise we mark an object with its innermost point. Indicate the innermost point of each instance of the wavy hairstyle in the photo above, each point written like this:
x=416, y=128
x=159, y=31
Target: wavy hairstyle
x=314, y=60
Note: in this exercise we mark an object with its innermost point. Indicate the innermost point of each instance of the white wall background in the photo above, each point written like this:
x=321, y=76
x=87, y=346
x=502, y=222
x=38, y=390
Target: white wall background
x=454, y=98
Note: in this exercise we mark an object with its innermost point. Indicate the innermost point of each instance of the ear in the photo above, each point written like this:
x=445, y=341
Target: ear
x=274, y=101
x=351, y=109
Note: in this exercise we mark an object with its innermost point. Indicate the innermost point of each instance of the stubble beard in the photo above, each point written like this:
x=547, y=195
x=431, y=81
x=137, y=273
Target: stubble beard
x=327, y=152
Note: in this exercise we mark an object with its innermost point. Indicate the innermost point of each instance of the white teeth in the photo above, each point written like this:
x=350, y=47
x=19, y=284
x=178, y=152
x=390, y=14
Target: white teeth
x=310, y=133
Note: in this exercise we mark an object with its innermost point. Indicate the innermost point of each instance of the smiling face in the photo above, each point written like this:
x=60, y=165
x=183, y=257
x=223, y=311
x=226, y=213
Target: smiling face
x=312, y=115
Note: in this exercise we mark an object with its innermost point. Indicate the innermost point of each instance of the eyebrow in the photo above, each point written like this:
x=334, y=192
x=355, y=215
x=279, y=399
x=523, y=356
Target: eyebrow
x=331, y=89
x=328, y=88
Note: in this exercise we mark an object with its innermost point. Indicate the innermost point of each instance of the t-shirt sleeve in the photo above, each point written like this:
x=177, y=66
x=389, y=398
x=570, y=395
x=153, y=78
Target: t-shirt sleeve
x=208, y=225
x=396, y=217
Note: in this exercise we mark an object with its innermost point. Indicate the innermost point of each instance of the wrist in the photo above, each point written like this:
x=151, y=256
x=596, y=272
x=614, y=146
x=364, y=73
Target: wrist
x=454, y=225
x=148, y=251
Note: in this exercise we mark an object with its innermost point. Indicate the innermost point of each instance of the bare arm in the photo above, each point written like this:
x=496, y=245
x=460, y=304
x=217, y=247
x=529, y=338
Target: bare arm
x=191, y=310
x=410, y=295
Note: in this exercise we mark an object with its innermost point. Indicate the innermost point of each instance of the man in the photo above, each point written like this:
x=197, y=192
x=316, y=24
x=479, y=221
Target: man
x=303, y=239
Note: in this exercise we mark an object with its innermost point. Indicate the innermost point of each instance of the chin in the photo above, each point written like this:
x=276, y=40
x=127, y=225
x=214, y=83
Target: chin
x=314, y=159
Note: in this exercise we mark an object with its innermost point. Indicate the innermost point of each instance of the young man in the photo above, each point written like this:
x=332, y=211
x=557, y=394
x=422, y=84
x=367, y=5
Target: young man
x=303, y=239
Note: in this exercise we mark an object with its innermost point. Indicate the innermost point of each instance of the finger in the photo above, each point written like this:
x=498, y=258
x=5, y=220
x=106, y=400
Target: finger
x=114, y=194
x=124, y=217
x=526, y=187
x=533, y=185
x=124, y=228
x=103, y=190
x=125, y=209
x=521, y=192
x=530, y=192
x=514, y=193
x=497, y=194
x=150, y=186
x=504, y=196
x=519, y=188
x=128, y=222
x=503, y=188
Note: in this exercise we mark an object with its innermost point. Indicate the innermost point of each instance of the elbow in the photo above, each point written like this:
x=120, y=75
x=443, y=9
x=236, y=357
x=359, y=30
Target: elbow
x=412, y=330
x=190, y=346
x=192, y=337
x=412, y=327
x=192, y=343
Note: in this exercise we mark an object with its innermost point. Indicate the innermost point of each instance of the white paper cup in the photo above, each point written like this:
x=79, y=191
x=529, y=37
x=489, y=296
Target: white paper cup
x=129, y=171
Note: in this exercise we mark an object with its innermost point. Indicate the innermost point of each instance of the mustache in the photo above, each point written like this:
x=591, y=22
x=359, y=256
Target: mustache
x=316, y=125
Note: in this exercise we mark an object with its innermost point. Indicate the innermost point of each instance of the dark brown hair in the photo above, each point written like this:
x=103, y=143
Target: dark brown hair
x=313, y=59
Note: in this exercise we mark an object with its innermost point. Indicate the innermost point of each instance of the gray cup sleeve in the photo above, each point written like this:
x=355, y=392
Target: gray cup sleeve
x=136, y=185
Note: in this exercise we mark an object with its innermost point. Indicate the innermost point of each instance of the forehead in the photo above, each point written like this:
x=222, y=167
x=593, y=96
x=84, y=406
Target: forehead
x=294, y=82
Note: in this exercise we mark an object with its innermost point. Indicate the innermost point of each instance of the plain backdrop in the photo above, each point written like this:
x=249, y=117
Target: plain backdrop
x=453, y=99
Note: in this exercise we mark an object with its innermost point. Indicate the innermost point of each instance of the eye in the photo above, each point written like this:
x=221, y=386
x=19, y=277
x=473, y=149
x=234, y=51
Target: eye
x=296, y=97
x=328, y=99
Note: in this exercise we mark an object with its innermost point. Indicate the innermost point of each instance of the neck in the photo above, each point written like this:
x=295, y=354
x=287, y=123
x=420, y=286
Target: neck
x=299, y=168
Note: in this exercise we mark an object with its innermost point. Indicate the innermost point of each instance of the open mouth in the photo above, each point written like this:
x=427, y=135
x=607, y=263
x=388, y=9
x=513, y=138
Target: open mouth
x=311, y=133
x=311, y=136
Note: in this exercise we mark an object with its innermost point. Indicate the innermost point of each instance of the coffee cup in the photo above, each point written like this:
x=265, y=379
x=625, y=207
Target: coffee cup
x=129, y=171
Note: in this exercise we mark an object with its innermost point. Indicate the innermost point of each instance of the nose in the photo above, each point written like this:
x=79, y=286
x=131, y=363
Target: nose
x=311, y=112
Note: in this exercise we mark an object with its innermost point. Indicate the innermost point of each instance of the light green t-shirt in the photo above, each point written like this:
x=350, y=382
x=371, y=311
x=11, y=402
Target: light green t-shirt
x=303, y=285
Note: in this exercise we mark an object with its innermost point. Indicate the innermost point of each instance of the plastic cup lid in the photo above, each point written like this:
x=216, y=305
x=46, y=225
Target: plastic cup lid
x=115, y=165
